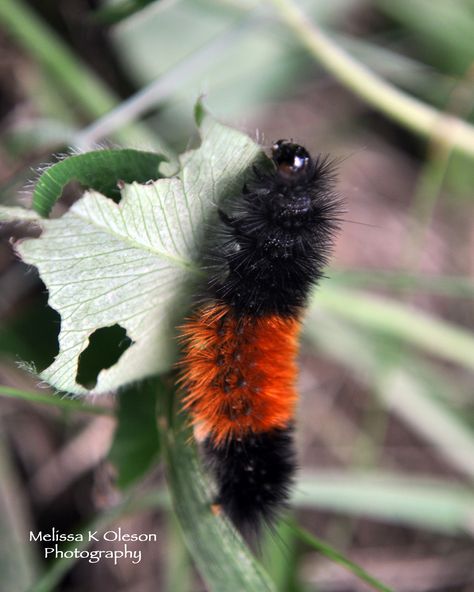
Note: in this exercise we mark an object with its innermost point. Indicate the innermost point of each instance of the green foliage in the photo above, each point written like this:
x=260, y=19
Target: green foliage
x=447, y=26
x=337, y=557
x=416, y=501
x=101, y=170
x=136, y=442
x=130, y=263
x=114, y=13
x=400, y=321
x=60, y=403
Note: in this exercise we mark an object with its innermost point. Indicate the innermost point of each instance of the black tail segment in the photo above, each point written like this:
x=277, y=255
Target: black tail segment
x=254, y=475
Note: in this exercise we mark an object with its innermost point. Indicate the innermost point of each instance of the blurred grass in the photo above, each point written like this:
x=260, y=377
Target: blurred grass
x=337, y=557
x=431, y=504
x=19, y=564
x=62, y=68
x=55, y=401
x=400, y=321
x=392, y=373
x=128, y=505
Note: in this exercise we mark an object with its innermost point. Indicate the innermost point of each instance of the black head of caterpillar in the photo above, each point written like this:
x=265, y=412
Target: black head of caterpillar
x=279, y=233
x=293, y=162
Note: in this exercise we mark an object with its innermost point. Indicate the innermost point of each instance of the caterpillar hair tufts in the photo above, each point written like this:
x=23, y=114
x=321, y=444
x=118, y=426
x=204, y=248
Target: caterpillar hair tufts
x=240, y=344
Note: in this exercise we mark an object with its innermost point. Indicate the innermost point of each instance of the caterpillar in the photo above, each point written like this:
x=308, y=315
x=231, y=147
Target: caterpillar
x=240, y=344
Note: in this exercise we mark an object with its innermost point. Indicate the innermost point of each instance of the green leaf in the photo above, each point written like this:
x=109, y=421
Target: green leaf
x=400, y=281
x=223, y=559
x=416, y=501
x=337, y=557
x=100, y=170
x=118, y=11
x=18, y=561
x=446, y=26
x=135, y=444
x=400, y=321
x=281, y=556
x=60, y=403
x=131, y=263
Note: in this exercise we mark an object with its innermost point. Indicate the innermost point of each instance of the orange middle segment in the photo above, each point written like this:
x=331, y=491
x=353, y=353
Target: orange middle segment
x=239, y=372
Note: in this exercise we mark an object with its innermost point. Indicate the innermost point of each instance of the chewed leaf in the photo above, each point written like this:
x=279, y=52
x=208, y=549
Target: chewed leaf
x=129, y=264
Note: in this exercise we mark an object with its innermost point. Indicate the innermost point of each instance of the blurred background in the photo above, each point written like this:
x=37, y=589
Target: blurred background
x=386, y=418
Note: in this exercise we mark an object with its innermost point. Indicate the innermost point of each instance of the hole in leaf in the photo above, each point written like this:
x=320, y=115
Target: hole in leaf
x=29, y=332
x=105, y=347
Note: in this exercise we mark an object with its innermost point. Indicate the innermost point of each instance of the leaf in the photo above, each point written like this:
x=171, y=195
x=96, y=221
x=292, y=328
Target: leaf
x=100, y=170
x=337, y=557
x=117, y=12
x=18, y=562
x=130, y=263
x=446, y=26
x=281, y=555
x=452, y=286
x=65, y=404
x=223, y=559
x=135, y=444
x=400, y=321
x=421, y=502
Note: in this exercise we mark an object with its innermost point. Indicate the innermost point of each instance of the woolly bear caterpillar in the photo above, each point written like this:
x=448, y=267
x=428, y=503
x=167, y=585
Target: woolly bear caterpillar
x=240, y=345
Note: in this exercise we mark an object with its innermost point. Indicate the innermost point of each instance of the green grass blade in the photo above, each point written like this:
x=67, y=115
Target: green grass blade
x=446, y=26
x=400, y=321
x=400, y=281
x=179, y=568
x=100, y=170
x=83, y=91
x=337, y=557
x=46, y=47
x=433, y=504
x=280, y=557
x=409, y=397
x=54, y=401
x=136, y=444
x=18, y=561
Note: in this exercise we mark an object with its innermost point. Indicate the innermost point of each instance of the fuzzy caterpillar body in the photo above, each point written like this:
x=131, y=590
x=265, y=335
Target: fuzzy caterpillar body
x=240, y=346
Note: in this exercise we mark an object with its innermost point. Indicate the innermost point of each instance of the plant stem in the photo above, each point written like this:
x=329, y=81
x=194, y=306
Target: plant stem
x=164, y=86
x=83, y=88
x=54, y=401
x=398, y=321
x=415, y=115
x=39, y=40
x=336, y=557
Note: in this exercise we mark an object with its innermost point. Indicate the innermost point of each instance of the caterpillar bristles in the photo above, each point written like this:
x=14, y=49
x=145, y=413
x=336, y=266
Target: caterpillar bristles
x=240, y=344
